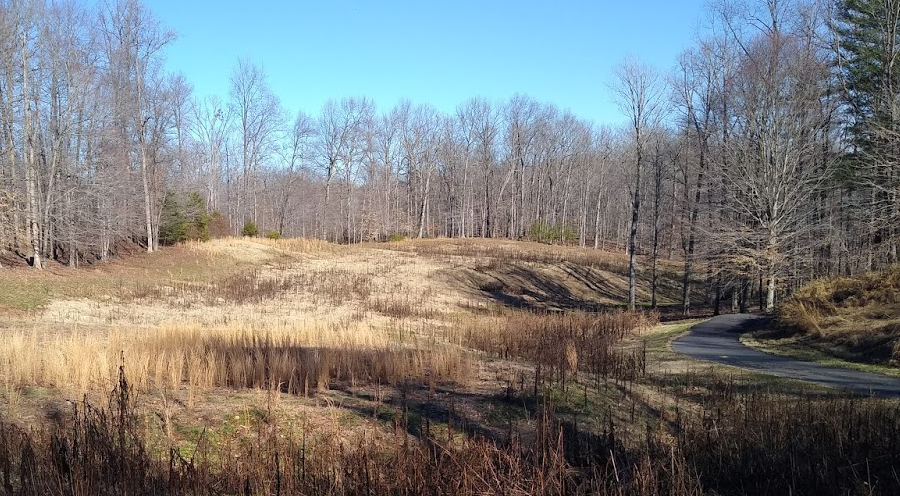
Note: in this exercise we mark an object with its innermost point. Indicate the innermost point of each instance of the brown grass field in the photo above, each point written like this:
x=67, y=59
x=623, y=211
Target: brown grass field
x=419, y=367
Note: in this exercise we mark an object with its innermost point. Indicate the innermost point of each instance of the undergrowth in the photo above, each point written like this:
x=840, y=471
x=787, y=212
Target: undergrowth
x=739, y=444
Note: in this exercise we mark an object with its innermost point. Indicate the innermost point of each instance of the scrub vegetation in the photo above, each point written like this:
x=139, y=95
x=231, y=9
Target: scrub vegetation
x=300, y=367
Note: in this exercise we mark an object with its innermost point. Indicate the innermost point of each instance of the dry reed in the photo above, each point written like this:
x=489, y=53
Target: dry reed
x=745, y=444
x=294, y=359
x=558, y=342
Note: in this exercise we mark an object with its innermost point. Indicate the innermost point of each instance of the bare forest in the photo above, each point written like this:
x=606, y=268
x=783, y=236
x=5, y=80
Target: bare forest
x=744, y=159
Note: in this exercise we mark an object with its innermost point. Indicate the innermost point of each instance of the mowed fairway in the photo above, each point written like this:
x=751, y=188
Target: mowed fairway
x=464, y=367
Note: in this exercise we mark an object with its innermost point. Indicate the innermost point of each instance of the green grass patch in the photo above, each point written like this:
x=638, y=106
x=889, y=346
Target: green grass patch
x=792, y=348
x=28, y=289
x=502, y=412
x=716, y=382
x=24, y=294
x=658, y=338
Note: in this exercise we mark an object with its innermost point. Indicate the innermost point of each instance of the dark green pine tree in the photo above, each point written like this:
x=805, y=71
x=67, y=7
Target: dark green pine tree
x=198, y=217
x=867, y=60
x=173, y=227
x=183, y=217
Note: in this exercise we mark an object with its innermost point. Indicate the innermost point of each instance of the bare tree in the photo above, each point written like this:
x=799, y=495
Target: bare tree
x=602, y=155
x=134, y=40
x=386, y=152
x=639, y=94
x=212, y=121
x=259, y=117
x=659, y=177
x=341, y=145
x=419, y=134
x=701, y=91
x=782, y=117
x=296, y=152
x=479, y=120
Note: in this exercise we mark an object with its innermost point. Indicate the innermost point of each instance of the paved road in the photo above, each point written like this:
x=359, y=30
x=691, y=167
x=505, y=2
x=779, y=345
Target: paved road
x=718, y=340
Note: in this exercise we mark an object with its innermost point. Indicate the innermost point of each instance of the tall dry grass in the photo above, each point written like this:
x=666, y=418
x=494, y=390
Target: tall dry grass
x=287, y=245
x=106, y=451
x=248, y=287
x=298, y=360
x=758, y=444
x=332, y=286
x=558, y=343
x=855, y=318
x=818, y=300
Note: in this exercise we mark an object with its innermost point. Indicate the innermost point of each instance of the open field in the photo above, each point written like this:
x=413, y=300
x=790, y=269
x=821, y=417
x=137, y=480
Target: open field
x=437, y=367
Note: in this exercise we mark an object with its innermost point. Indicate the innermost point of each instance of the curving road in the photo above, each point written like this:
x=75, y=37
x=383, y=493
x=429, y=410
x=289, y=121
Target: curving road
x=718, y=340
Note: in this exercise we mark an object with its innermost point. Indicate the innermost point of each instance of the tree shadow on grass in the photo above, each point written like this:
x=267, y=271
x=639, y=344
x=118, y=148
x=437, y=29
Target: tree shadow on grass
x=565, y=286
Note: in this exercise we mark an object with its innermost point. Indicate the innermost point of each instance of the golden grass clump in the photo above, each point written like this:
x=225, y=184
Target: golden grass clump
x=256, y=248
x=803, y=315
x=298, y=245
x=810, y=308
x=854, y=318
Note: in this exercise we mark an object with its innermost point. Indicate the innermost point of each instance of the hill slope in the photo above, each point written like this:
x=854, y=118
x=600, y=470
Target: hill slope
x=852, y=318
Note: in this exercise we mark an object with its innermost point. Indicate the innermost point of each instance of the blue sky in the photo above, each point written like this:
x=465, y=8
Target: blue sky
x=441, y=53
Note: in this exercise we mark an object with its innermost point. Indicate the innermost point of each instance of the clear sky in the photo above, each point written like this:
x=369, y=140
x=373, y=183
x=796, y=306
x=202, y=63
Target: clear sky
x=438, y=52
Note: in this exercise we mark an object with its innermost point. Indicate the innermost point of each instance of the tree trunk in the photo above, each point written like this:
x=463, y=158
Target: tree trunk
x=424, y=205
x=744, y=300
x=31, y=175
x=657, y=199
x=717, y=301
x=654, y=282
x=328, y=176
x=632, y=237
x=33, y=224
x=486, y=225
x=349, y=228
x=597, y=218
x=148, y=213
x=771, y=254
x=734, y=298
x=692, y=238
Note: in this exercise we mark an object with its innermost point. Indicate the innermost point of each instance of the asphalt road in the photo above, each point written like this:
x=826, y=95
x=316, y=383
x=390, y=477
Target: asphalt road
x=718, y=340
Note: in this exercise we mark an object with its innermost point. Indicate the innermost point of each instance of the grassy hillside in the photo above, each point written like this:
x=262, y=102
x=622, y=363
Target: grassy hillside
x=419, y=367
x=851, y=318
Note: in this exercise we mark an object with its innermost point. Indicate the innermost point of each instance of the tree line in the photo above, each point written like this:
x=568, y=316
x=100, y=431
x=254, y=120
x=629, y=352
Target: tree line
x=766, y=157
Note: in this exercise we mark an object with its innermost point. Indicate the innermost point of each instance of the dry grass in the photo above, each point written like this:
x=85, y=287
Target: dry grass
x=297, y=315
x=541, y=277
x=300, y=317
x=295, y=360
x=740, y=443
x=196, y=263
x=517, y=251
x=106, y=451
x=559, y=343
x=300, y=367
x=854, y=318
x=261, y=250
